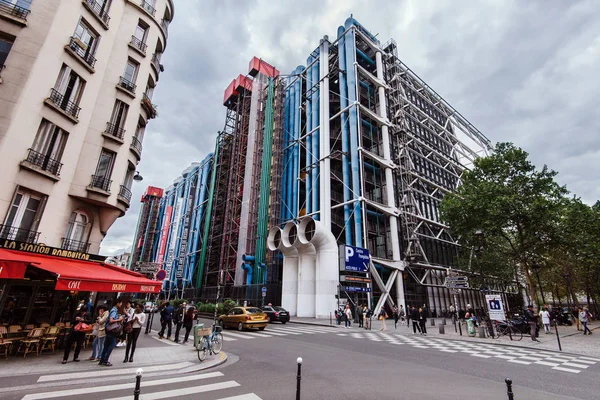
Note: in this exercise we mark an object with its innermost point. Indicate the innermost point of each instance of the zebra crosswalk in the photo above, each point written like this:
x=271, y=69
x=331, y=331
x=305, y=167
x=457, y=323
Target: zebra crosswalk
x=276, y=331
x=570, y=363
x=204, y=386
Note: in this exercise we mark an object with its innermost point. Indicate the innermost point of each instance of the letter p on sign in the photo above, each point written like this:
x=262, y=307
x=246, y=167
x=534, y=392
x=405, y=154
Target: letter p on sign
x=349, y=253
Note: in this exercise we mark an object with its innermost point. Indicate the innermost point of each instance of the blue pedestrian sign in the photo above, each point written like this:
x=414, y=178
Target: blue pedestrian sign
x=264, y=289
x=356, y=289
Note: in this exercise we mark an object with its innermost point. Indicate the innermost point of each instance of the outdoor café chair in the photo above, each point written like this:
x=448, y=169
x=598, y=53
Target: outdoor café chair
x=32, y=342
x=48, y=341
x=5, y=345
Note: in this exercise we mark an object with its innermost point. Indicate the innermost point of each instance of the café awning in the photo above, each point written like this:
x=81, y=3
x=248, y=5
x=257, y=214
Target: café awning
x=77, y=275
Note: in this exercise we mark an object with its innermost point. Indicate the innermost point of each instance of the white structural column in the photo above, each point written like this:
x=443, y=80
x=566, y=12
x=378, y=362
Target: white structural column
x=389, y=179
x=324, y=164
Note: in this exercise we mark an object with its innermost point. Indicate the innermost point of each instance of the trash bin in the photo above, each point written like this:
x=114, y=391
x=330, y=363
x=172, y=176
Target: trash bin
x=196, y=336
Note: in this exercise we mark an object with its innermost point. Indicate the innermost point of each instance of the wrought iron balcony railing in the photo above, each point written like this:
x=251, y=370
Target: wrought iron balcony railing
x=75, y=245
x=138, y=44
x=44, y=162
x=7, y=7
x=136, y=145
x=59, y=100
x=101, y=182
x=99, y=10
x=149, y=106
x=165, y=25
x=148, y=8
x=78, y=47
x=18, y=234
x=127, y=84
x=114, y=131
x=156, y=63
x=125, y=193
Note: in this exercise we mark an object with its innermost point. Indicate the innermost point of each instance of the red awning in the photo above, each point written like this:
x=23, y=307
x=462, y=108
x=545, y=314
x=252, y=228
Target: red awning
x=83, y=276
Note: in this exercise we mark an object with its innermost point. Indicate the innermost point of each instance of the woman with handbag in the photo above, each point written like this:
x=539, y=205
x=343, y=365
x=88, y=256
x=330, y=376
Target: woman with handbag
x=129, y=311
x=100, y=329
x=114, y=328
x=79, y=327
x=137, y=323
x=188, y=322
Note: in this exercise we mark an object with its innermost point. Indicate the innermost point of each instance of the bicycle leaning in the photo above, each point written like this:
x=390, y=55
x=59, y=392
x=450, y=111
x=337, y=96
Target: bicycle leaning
x=211, y=342
x=506, y=329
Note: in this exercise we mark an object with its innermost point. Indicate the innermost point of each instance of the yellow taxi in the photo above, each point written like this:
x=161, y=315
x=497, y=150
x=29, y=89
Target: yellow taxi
x=243, y=318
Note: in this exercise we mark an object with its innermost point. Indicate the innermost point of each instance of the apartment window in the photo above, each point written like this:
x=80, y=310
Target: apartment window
x=5, y=46
x=15, y=8
x=148, y=6
x=77, y=232
x=136, y=141
x=116, y=126
x=84, y=42
x=129, y=76
x=68, y=90
x=48, y=147
x=125, y=190
x=101, y=179
x=138, y=40
x=23, y=216
x=100, y=10
x=149, y=90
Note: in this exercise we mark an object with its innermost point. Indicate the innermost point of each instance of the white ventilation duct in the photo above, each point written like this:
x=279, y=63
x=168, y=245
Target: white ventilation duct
x=307, y=258
x=314, y=234
x=278, y=240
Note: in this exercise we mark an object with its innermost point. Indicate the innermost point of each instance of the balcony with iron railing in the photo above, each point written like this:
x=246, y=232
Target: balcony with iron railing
x=21, y=235
x=12, y=11
x=98, y=10
x=43, y=162
x=80, y=49
x=148, y=8
x=100, y=182
x=150, y=108
x=136, y=147
x=113, y=131
x=158, y=68
x=75, y=245
x=164, y=24
x=57, y=100
x=138, y=45
x=124, y=194
x=127, y=85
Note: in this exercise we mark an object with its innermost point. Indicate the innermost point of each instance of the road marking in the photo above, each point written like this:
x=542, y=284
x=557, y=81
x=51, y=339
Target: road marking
x=256, y=334
x=505, y=357
x=450, y=351
x=286, y=331
x=579, y=360
x=228, y=339
x=529, y=358
x=570, y=364
x=520, y=362
x=589, y=359
x=373, y=337
x=122, y=386
x=550, y=364
x=420, y=346
x=248, y=396
x=184, y=391
x=481, y=356
x=561, y=360
x=342, y=334
x=238, y=335
x=575, y=371
x=273, y=332
x=108, y=372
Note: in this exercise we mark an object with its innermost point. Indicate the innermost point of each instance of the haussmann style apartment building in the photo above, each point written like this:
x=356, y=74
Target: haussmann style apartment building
x=76, y=84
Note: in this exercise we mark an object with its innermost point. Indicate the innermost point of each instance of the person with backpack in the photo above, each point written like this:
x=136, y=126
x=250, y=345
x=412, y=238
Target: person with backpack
x=414, y=316
x=178, y=316
x=368, y=318
x=422, y=321
x=166, y=320
x=114, y=328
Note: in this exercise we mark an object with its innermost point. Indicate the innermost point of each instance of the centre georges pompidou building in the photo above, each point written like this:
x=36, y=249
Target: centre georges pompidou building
x=353, y=139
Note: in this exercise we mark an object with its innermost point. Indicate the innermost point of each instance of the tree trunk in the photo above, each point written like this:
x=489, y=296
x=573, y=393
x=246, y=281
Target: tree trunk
x=531, y=288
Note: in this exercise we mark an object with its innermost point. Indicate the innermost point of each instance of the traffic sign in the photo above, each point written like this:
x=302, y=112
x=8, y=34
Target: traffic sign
x=457, y=285
x=354, y=289
x=457, y=279
x=161, y=275
x=495, y=307
x=264, y=289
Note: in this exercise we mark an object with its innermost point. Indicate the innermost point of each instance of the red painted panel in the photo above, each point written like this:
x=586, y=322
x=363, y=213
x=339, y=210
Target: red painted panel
x=257, y=65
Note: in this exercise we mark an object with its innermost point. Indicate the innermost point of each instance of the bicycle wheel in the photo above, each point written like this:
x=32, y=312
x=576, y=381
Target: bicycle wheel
x=202, y=349
x=217, y=342
x=516, y=334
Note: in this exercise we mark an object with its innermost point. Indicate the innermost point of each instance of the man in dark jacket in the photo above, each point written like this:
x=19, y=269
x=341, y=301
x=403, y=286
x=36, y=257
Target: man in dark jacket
x=166, y=320
x=531, y=319
x=414, y=316
x=178, y=317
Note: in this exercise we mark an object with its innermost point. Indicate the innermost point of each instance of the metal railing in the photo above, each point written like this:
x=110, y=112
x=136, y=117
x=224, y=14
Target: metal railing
x=99, y=10
x=136, y=145
x=18, y=234
x=127, y=84
x=138, y=44
x=59, y=100
x=149, y=106
x=101, y=182
x=75, y=45
x=165, y=25
x=156, y=62
x=7, y=7
x=114, y=131
x=75, y=245
x=125, y=193
x=44, y=162
x=148, y=8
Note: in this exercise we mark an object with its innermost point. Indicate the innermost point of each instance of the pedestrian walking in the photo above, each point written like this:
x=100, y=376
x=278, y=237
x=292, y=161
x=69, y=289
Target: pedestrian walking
x=408, y=316
x=575, y=313
x=357, y=310
x=531, y=319
x=584, y=317
x=470, y=324
x=79, y=327
x=545, y=315
x=368, y=318
x=395, y=315
x=178, y=316
x=363, y=315
x=401, y=314
x=414, y=316
x=188, y=322
x=348, y=316
x=383, y=316
x=359, y=315
x=137, y=323
x=114, y=328
x=166, y=319
x=129, y=311
x=422, y=322
x=100, y=330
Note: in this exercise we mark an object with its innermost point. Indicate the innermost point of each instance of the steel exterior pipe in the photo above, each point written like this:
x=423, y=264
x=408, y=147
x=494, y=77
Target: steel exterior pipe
x=315, y=149
x=345, y=135
x=324, y=171
x=277, y=240
x=309, y=127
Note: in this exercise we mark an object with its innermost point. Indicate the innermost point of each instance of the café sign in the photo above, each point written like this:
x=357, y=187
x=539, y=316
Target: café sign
x=49, y=251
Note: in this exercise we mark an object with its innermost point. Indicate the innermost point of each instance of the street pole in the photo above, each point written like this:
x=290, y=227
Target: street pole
x=557, y=337
x=456, y=311
x=509, y=392
x=298, y=377
x=138, y=380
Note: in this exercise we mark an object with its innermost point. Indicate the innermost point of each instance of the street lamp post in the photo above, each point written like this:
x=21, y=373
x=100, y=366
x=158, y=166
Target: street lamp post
x=536, y=268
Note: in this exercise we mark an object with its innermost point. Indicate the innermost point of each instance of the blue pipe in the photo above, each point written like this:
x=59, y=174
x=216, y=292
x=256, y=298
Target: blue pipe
x=286, y=135
x=366, y=86
x=201, y=200
x=309, y=127
x=248, y=258
x=297, y=133
x=292, y=150
x=354, y=139
x=344, y=124
x=370, y=125
x=315, y=139
x=250, y=271
x=372, y=167
x=375, y=214
x=264, y=267
x=351, y=21
x=365, y=57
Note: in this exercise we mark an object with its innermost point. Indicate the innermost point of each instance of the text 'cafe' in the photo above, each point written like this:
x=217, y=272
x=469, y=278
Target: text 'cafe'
x=42, y=284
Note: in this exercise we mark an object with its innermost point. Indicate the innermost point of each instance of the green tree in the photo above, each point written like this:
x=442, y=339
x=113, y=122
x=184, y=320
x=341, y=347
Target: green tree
x=515, y=205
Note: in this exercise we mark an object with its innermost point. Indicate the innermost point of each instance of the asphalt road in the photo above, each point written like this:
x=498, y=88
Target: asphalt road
x=355, y=364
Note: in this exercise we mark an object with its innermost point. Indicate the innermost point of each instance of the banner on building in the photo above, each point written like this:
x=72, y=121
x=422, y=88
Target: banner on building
x=174, y=237
x=164, y=235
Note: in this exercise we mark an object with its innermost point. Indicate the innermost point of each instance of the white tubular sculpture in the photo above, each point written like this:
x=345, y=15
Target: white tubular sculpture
x=278, y=240
x=307, y=258
x=314, y=233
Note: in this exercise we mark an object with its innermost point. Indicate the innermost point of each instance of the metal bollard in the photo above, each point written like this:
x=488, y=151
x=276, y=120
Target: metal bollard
x=299, y=377
x=509, y=392
x=432, y=321
x=444, y=321
x=138, y=380
x=481, y=331
x=442, y=329
x=557, y=337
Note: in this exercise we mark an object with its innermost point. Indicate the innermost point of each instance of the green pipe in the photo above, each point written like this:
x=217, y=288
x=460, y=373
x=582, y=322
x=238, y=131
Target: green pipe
x=264, y=194
x=208, y=215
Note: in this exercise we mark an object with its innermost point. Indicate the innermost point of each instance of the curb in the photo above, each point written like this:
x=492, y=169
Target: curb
x=219, y=360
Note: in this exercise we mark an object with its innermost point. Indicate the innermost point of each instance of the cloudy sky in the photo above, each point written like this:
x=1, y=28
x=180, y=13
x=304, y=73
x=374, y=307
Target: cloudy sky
x=520, y=71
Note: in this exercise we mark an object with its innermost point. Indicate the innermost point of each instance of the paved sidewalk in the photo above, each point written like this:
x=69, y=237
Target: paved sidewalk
x=150, y=352
x=571, y=340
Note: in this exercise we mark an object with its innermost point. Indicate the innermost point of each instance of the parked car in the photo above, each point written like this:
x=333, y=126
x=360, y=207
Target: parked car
x=276, y=313
x=244, y=317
